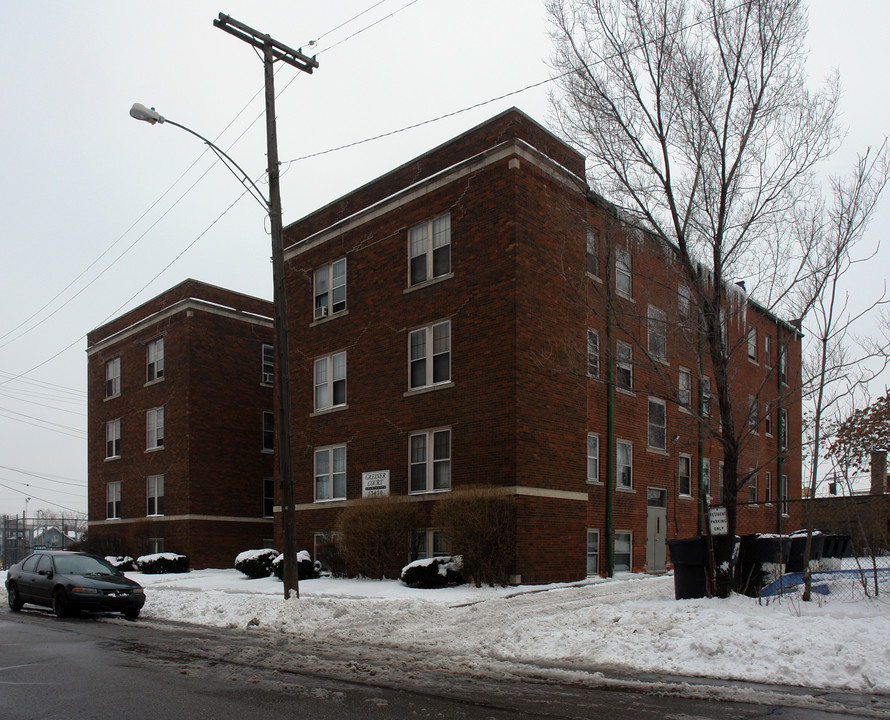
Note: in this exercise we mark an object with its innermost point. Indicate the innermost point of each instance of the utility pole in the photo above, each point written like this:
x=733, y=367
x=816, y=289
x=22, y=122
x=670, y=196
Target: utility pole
x=272, y=51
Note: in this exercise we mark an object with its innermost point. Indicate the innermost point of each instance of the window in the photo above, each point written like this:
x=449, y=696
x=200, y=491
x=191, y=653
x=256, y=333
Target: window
x=330, y=289
x=706, y=477
x=113, y=439
x=705, y=396
x=330, y=381
x=113, y=500
x=155, y=494
x=154, y=428
x=113, y=377
x=622, y=271
x=593, y=552
x=622, y=551
x=752, y=488
x=268, y=359
x=657, y=424
x=683, y=300
x=154, y=360
x=429, y=544
x=768, y=487
x=268, y=497
x=752, y=414
x=752, y=344
x=330, y=473
x=430, y=461
x=720, y=483
x=767, y=351
x=684, y=389
x=155, y=546
x=592, y=255
x=268, y=431
x=783, y=494
x=429, y=355
x=593, y=353
x=624, y=464
x=684, y=475
x=783, y=430
x=783, y=376
x=767, y=419
x=624, y=372
x=429, y=250
x=657, y=333
x=593, y=458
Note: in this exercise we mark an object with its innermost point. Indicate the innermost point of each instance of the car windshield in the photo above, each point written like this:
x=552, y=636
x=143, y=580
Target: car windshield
x=82, y=565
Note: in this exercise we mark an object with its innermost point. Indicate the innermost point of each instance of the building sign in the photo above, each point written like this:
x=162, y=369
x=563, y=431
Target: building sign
x=375, y=484
x=718, y=520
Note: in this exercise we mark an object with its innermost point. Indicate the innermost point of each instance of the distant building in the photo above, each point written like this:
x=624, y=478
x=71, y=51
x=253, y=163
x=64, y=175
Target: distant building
x=479, y=316
x=181, y=440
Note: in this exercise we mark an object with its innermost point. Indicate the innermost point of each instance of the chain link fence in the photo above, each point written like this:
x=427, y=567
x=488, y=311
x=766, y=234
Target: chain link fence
x=20, y=536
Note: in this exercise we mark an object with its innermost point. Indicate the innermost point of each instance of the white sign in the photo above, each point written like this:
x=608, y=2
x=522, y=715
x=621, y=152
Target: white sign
x=375, y=484
x=718, y=520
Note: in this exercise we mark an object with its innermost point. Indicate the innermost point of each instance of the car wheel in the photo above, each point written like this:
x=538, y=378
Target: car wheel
x=13, y=598
x=131, y=614
x=60, y=603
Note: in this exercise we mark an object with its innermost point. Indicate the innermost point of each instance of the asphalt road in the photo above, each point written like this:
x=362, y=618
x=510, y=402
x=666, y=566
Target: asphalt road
x=107, y=667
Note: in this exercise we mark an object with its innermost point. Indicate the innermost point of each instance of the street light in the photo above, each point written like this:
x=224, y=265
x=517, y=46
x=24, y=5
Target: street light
x=272, y=206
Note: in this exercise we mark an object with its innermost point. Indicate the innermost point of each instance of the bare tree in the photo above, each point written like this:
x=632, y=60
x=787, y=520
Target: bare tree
x=697, y=122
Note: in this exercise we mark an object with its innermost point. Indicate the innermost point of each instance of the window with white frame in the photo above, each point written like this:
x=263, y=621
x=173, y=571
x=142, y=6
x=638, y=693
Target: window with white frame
x=113, y=377
x=268, y=497
x=593, y=458
x=330, y=473
x=752, y=344
x=684, y=296
x=624, y=464
x=154, y=428
x=330, y=289
x=113, y=439
x=592, y=252
x=113, y=501
x=154, y=360
x=783, y=373
x=623, y=555
x=429, y=461
x=429, y=355
x=752, y=488
x=767, y=419
x=593, y=353
x=622, y=272
x=624, y=369
x=705, y=396
x=154, y=491
x=768, y=487
x=593, y=552
x=657, y=425
x=706, y=477
x=720, y=483
x=783, y=494
x=783, y=420
x=767, y=351
x=268, y=362
x=684, y=389
x=657, y=333
x=429, y=544
x=330, y=381
x=752, y=414
x=684, y=475
x=429, y=250
x=155, y=546
x=268, y=431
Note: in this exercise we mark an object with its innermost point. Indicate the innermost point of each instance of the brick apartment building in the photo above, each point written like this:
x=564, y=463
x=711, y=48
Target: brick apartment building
x=181, y=434
x=453, y=323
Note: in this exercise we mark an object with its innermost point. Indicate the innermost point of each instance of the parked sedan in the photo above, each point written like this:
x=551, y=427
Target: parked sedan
x=71, y=582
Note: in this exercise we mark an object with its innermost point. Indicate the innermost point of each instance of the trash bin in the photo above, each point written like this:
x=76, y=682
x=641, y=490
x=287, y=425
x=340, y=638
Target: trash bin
x=798, y=546
x=692, y=564
x=762, y=560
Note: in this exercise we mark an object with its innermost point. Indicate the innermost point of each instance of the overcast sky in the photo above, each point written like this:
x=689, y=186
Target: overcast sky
x=101, y=212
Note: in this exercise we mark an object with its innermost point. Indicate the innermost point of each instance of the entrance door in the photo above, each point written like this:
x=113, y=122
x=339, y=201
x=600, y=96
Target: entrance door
x=656, y=530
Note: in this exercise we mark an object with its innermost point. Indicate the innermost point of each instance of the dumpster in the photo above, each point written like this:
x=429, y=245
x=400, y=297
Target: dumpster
x=692, y=564
x=761, y=560
x=798, y=546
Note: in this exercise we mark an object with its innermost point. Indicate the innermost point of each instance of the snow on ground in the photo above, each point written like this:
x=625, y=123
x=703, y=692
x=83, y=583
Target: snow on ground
x=629, y=623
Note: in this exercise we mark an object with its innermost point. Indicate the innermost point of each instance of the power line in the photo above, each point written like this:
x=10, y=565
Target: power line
x=47, y=477
x=34, y=497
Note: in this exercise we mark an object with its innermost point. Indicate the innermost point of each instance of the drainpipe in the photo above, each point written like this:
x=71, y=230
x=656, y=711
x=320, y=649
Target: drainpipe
x=779, y=424
x=610, y=407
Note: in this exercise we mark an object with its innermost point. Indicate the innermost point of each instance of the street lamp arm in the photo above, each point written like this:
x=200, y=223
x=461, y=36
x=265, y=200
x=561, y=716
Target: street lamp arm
x=151, y=116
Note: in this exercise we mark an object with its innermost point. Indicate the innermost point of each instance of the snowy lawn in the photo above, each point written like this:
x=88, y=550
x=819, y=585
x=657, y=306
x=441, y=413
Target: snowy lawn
x=631, y=622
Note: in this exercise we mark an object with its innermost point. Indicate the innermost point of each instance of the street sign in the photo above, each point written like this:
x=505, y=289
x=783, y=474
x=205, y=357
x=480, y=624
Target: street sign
x=718, y=520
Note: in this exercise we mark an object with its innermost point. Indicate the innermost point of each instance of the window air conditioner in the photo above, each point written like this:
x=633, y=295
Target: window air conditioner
x=321, y=312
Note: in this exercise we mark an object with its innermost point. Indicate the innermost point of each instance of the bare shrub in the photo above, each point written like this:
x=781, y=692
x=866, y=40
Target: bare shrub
x=481, y=523
x=374, y=536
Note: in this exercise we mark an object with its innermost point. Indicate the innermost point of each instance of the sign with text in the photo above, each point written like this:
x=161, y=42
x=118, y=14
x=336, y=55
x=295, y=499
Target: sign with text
x=718, y=520
x=375, y=484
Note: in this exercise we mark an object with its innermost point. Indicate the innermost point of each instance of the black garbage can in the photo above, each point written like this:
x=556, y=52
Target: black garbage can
x=798, y=546
x=690, y=559
x=762, y=559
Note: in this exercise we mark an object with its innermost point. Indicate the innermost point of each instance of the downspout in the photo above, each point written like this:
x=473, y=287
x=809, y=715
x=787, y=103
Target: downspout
x=702, y=499
x=610, y=406
x=780, y=360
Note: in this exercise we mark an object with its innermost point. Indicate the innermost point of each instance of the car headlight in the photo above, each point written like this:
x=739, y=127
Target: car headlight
x=84, y=590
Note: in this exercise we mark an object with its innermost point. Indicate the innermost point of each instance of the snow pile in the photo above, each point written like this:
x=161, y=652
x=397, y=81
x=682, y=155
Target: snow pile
x=628, y=623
